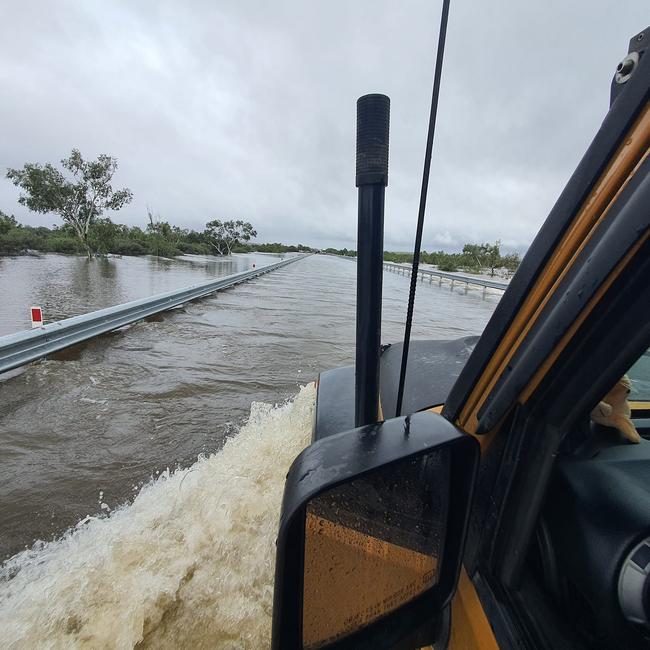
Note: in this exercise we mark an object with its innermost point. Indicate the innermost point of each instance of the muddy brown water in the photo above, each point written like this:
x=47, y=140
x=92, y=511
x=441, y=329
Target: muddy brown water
x=81, y=433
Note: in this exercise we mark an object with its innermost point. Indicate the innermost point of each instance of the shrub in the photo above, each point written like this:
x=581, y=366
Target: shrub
x=129, y=247
x=194, y=248
x=7, y=223
x=65, y=245
x=18, y=239
x=162, y=247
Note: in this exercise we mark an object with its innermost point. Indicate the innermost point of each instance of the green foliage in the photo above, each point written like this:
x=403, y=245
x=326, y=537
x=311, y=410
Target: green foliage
x=398, y=258
x=7, y=223
x=474, y=258
x=511, y=262
x=129, y=247
x=447, y=262
x=341, y=251
x=80, y=198
x=17, y=240
x=225, y=236
x=163, y=239
x=484, y=255
x=192, y=248
x=69, y=245
x=104, y=237
x=275, y=248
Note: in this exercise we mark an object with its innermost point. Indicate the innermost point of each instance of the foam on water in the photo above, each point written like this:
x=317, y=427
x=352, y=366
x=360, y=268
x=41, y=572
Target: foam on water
x=188, y=564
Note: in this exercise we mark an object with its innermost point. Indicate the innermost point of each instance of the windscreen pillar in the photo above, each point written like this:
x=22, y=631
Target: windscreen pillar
x=373, y=117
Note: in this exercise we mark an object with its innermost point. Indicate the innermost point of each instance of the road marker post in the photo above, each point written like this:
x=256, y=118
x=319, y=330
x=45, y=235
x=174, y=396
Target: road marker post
x=37, y=317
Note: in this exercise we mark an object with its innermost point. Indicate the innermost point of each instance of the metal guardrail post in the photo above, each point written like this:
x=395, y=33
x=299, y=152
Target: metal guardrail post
x=453, y=277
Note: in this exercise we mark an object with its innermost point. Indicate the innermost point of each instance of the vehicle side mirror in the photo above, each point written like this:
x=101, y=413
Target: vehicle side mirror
x=372, y=533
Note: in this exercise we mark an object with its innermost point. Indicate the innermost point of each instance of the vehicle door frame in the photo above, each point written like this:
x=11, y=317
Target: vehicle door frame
x=522, y=406
x=516, y=468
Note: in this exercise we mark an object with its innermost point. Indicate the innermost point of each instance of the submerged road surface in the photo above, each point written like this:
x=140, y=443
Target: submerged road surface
x=81, y=434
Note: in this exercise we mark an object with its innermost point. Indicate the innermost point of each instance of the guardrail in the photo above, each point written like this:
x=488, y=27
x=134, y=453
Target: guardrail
x=452, y=277
x=27, y=346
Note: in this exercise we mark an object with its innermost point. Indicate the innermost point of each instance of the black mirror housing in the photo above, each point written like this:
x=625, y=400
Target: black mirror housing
x=387, y=504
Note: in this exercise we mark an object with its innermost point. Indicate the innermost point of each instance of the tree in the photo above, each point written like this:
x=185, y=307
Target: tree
x=492, y=255
x=511, y=261
x=7, y=223
x=484, y=255
x=79, y=199
x=447, y=262
x=223, y=236
x=164, y=237
x=103, y=235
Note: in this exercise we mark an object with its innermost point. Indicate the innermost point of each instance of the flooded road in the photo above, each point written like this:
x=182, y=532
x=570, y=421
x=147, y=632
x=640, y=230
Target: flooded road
x=159, y=393
x=66, y=285
x=81, y=436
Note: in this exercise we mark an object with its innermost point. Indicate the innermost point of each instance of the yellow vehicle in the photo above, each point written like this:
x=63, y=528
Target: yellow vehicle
x=495, y=513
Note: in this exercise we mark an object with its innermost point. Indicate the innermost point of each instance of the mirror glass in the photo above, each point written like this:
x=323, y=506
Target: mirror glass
x=372, y=545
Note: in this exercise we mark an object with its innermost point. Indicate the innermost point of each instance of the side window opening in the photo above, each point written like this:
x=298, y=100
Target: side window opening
x=639, y=375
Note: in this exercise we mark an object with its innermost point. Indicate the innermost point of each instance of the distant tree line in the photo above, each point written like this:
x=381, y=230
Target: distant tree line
x=341, y=251
x=104, y=237
x=162, y=239
x=82, y=193
x=474, y=258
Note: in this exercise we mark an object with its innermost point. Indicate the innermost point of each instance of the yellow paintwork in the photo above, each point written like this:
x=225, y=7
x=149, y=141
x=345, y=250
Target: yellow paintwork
x=624, y=164
x=570, y=333
x=470, y=628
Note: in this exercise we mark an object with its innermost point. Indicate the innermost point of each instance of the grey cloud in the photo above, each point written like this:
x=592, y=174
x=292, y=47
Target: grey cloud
x=246, y=109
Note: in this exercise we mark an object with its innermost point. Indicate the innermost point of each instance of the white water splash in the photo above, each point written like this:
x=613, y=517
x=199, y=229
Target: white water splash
x=189, y=564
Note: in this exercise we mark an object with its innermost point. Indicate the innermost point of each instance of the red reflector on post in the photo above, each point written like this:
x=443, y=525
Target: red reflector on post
x=37, y=316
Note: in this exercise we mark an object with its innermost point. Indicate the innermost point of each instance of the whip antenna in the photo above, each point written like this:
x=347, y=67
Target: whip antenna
x=423, y=201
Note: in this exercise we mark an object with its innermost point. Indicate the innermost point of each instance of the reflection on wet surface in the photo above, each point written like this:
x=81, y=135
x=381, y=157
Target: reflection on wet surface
x=66, y=285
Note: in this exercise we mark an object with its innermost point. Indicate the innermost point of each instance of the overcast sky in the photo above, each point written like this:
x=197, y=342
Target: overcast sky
x=245, y=109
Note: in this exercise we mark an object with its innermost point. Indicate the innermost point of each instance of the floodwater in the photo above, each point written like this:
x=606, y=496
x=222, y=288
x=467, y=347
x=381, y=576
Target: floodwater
x=65, y=285
x=161, y=446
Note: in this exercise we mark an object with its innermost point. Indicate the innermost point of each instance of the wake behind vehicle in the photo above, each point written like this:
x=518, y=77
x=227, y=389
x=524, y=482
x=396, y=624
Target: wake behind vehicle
x=474, y=503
